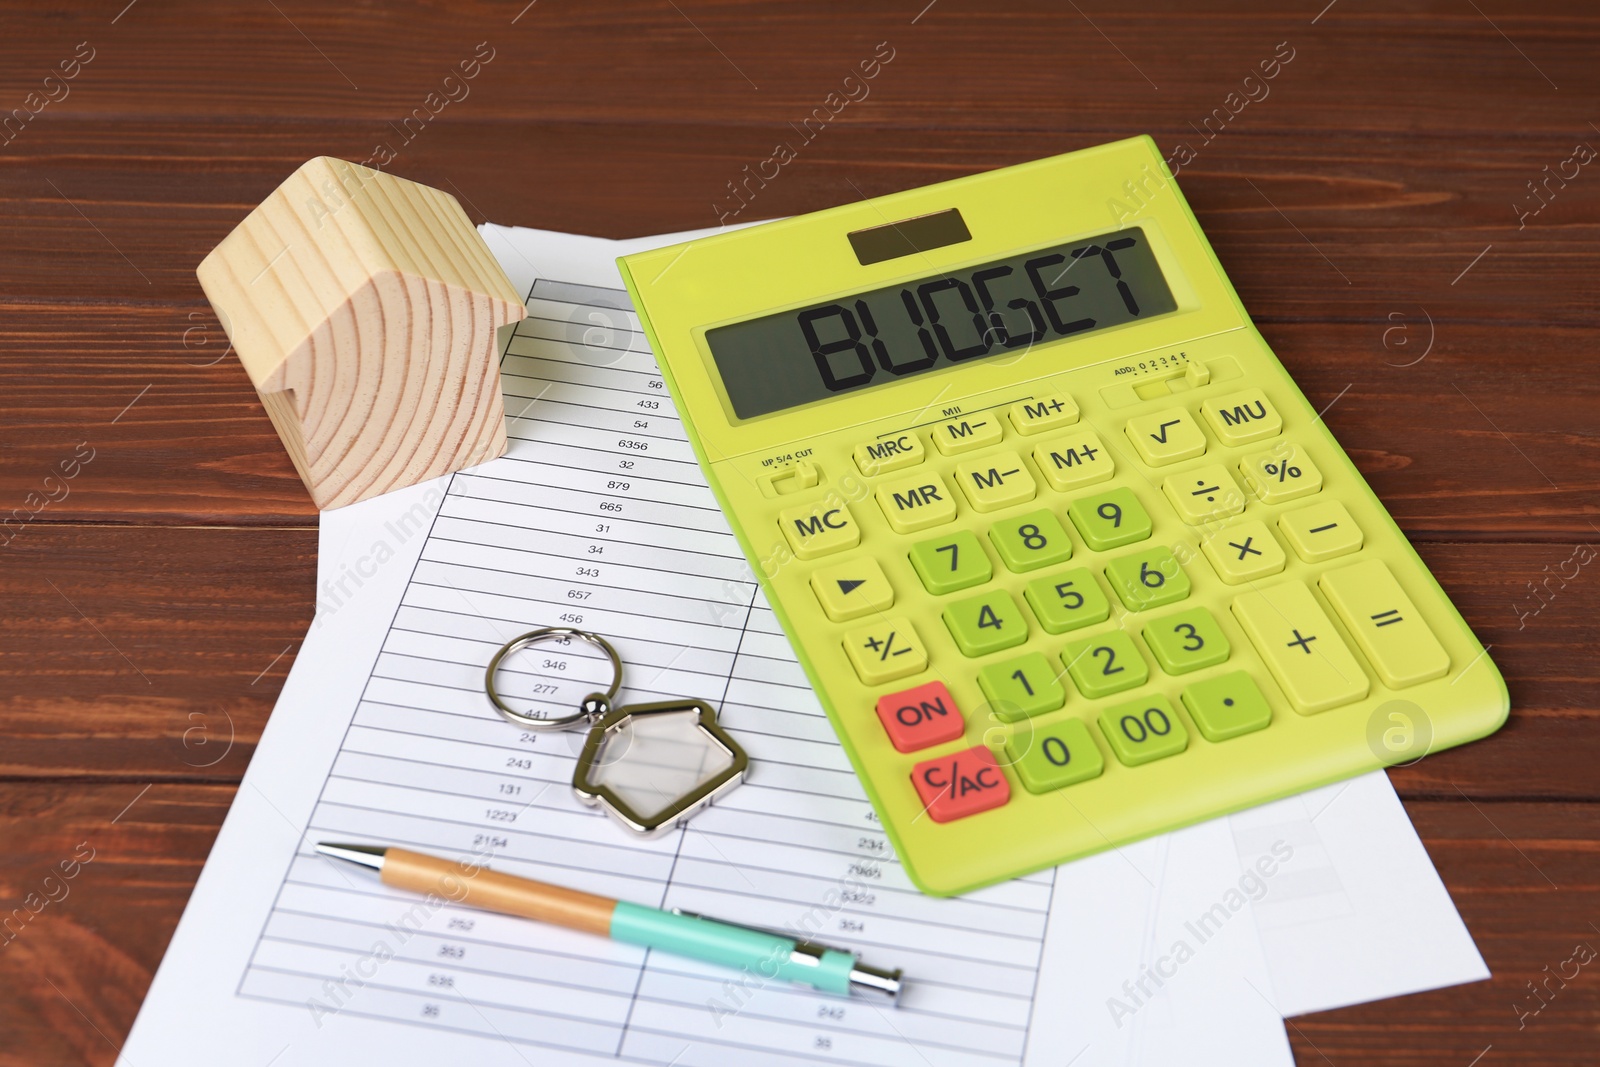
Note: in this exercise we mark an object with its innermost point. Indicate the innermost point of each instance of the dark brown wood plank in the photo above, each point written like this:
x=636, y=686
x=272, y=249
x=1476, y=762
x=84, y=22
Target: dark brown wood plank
x=74, y=971
x=141, y=654
x=1024, y=66
x=1338, y=226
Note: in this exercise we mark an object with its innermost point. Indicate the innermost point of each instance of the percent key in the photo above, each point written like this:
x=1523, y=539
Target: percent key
x=1284, y=473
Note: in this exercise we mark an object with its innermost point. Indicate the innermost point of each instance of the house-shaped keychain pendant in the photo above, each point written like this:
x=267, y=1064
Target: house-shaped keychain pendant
x=651, y=766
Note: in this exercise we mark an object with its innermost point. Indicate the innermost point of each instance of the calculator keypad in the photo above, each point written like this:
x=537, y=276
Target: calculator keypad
x=997, y=493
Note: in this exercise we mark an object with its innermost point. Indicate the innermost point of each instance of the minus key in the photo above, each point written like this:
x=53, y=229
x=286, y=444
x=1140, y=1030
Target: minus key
x=1321, y=532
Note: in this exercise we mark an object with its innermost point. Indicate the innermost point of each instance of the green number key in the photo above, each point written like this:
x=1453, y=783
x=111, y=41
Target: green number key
x=1110, y=520
x=1018, y=688
x=956, y=561
x=1186, y=641
x=1105, y=664
x=1031, y=541
x=1067, y=600
x=1054, y=755
x=1148, y=579
x=987, y=623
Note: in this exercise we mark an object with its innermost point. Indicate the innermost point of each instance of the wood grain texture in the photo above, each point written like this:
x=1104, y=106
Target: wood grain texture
x=480, y=887
x=364, y=308
x=1366, y=209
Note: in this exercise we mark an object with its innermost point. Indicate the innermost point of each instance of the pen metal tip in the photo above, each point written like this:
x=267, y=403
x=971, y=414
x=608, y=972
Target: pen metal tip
x=876, y=982
x=370, y=856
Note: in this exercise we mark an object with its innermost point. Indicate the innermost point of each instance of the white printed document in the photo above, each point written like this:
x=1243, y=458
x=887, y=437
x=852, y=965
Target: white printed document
x=1166, y=951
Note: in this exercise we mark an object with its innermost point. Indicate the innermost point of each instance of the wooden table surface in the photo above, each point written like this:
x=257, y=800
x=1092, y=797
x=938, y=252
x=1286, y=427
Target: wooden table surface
x=1408, y=208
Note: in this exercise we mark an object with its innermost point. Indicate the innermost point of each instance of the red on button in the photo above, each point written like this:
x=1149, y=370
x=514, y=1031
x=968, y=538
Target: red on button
x=920, y=717
x=953, y=787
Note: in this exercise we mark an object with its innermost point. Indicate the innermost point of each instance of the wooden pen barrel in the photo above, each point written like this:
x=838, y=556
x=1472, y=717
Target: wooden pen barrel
x=479, y=887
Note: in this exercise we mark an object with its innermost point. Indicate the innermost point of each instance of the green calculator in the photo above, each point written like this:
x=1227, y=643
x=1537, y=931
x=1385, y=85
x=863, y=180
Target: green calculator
x=1067, y=555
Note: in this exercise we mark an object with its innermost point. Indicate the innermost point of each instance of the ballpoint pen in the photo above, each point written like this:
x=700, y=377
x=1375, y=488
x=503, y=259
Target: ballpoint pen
x=768, y=954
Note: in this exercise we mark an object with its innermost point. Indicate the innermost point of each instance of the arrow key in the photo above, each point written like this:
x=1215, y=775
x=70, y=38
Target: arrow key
x=852, y=589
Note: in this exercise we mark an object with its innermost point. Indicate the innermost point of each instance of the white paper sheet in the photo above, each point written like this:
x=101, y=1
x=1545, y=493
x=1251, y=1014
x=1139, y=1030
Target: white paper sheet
x=382, y=734
x=1361, y=914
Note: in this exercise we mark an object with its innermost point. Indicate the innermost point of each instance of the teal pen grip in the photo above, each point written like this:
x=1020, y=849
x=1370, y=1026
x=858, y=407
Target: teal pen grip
x=765, y=956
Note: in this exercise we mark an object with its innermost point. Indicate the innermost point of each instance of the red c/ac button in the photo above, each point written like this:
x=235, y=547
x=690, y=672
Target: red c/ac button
x=964, y=783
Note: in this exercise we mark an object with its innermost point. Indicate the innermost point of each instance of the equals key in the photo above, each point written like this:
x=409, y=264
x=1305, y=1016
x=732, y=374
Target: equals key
x=1385, y=624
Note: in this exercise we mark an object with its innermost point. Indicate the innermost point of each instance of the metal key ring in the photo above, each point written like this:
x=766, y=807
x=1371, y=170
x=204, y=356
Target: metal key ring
x=594, y=706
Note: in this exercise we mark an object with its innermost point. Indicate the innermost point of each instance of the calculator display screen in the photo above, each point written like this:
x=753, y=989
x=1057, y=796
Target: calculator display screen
x=884, y=335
